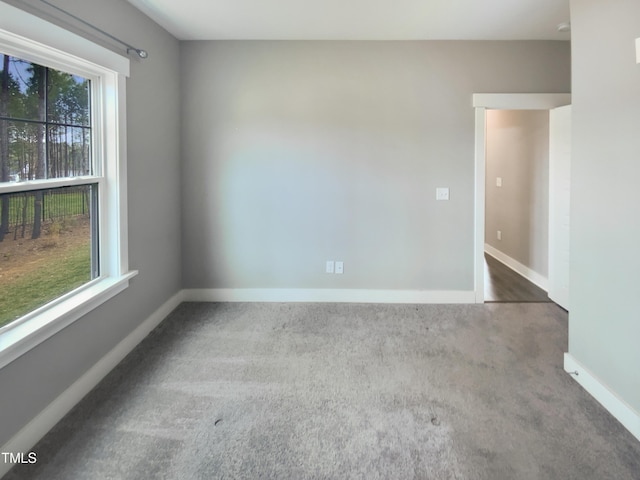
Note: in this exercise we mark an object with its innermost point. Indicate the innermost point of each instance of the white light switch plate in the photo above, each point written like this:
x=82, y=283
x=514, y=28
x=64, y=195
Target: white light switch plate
x=329, y=268
x=442, y=193
x=498, y=181
x=339, y=267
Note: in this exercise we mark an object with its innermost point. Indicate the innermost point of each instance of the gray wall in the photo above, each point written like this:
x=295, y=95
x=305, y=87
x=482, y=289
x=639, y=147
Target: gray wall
x=604, y=322
x=37, y=378
x=300, y=152
x=518, y=152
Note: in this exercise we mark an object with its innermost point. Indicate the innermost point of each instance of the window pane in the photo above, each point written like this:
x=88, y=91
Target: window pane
x=68, y=151
x=45, y=122
x=67, y=99
x=23, y=142
x=47, y=246
x=22, y=88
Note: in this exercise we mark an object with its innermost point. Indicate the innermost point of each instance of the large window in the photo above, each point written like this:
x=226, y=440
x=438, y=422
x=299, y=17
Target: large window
x=63, y=235
x=48, y=237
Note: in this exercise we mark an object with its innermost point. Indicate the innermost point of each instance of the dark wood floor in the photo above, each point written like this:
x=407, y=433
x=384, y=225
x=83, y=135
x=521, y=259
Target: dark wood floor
x=501, y=284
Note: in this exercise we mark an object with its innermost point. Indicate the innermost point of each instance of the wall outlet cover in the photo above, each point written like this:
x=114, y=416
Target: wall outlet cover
x=442, y=193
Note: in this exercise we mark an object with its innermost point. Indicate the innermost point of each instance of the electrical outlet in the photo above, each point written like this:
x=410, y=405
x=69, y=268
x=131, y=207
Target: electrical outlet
x=329, y=267
x=339, y=268
x=499, y=235
x=442, y=193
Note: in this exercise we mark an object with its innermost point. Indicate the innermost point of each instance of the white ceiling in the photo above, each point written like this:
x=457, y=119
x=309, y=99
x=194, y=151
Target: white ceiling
x=359, y=19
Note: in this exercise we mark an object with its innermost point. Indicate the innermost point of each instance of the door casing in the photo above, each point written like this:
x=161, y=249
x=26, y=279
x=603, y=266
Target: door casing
x=559, y=204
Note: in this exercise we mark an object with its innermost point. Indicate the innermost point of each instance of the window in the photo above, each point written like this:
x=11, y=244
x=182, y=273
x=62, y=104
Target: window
x=63, y=245
x=48, y=237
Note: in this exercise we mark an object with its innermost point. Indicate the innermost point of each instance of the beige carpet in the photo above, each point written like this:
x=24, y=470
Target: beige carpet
x=326, y=391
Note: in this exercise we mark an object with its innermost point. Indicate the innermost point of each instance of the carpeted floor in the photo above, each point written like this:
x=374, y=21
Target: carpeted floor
x=333, y=391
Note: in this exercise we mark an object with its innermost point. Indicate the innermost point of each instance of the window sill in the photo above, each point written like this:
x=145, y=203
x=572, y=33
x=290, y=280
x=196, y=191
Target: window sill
x=41, y=325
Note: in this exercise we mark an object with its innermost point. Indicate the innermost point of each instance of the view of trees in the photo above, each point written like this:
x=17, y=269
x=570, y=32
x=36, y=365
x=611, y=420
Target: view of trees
x=45, y=130
x=46, y=241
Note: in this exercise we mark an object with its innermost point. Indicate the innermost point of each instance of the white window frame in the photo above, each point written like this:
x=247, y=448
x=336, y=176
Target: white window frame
x=31, y=38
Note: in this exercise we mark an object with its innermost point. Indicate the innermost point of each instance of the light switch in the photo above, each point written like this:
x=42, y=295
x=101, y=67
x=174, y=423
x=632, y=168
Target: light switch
x=498, y=181
x=339, y=268
x=329, y=268
x=442, y=193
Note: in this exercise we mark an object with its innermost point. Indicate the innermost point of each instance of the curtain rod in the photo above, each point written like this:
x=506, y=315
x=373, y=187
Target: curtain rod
x=130, y=48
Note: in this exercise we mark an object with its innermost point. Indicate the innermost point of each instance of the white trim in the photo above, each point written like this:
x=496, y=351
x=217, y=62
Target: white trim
x=327, y=295
x=521, y=101
x=121, y=216
x=617, y=407
x=113, y=225
x=480, y=172
x=34, y=328
x=30, y=185
x=637, y=50
x=513, y=264
x=37, y=428
x=497, y=101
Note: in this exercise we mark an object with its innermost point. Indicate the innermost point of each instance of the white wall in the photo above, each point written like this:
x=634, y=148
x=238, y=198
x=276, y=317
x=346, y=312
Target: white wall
x=34, y=380
x=517, y=151
x=604, y=322
x=300, y=152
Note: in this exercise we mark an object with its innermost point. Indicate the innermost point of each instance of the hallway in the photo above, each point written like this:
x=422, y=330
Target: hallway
x=501, y=284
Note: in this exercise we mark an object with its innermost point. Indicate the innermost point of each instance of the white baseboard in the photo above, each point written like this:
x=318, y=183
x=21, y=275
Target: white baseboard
x=626, y=415
x=328, y=295
x=513, y=264
x=31, y=433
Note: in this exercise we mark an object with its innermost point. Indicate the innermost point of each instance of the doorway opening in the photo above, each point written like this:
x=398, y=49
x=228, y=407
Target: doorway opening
x=516, y=206
x=491, y=269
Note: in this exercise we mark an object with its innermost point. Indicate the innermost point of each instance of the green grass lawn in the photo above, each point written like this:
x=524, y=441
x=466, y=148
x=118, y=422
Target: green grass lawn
x=44, y=284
